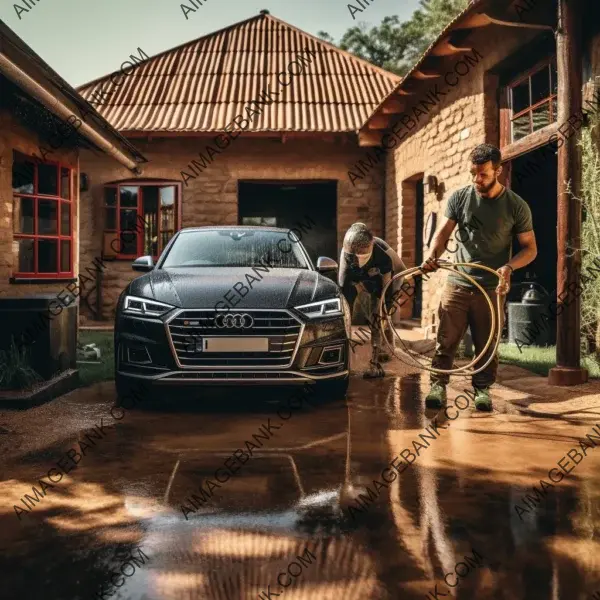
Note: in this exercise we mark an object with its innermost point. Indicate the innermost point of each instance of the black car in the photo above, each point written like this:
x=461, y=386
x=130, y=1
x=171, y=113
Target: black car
x=232, y=306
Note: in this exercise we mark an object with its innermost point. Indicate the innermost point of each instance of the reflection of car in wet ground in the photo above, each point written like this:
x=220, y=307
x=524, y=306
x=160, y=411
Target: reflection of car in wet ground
x=232, y=306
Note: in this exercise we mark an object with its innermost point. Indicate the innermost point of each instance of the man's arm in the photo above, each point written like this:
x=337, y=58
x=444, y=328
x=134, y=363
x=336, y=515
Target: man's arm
x=521, y=259
x=439, y=243
x=527, y=253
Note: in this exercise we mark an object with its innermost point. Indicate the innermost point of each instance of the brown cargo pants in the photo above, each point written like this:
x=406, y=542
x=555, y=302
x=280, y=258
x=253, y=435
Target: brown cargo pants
x=461, y=307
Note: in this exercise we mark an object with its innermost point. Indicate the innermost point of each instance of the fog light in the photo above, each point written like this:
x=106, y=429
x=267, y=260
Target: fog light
x=331, y=355
x=139, y=355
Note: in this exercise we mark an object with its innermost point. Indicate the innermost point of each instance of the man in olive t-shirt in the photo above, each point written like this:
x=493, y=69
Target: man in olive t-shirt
x=488, y=215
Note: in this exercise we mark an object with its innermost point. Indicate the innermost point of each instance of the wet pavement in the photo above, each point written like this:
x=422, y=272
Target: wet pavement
x=369, y=498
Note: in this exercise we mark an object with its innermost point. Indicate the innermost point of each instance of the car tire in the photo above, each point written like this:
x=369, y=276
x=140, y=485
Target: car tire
x=332, y=390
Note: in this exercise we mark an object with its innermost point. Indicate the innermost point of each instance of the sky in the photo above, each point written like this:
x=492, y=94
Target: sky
x=85, y=39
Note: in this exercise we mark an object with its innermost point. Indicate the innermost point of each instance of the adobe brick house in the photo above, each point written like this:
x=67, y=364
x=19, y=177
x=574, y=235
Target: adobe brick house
x=515, y=74
x=256, y=123
x=44, y=124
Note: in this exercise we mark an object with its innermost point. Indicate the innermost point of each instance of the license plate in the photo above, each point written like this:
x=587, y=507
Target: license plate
x=235, y=344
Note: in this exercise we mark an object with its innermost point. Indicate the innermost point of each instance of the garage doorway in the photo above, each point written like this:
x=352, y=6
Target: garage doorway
x=534, y=176
x=287, y=203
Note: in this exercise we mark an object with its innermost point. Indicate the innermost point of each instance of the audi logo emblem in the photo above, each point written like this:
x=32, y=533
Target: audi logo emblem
x=238, y=321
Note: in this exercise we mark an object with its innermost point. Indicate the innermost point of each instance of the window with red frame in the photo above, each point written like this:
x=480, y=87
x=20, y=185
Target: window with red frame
x=140, y=218
x=42, y=219
x=532, y=100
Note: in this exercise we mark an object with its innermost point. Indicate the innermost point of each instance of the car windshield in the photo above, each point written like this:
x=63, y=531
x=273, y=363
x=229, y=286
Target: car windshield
x=235, y=248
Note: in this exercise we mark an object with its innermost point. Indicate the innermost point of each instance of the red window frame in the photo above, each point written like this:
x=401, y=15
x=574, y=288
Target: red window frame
x=36, y=236
x=551, y=100
x=119, y=234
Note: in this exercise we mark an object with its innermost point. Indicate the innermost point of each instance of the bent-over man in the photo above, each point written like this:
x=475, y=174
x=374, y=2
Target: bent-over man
x=367, y=264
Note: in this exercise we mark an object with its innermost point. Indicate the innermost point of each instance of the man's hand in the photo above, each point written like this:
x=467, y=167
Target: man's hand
x=430, y=265
x=504, y=283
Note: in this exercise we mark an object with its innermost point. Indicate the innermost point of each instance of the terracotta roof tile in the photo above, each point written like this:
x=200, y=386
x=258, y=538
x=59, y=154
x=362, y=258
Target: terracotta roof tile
x=203, y=84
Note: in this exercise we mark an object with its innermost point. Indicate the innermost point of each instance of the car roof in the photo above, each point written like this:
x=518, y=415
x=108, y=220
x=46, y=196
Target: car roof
x=235, y=227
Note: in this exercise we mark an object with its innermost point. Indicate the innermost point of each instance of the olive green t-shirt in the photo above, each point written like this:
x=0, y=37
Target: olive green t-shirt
x=484, y=232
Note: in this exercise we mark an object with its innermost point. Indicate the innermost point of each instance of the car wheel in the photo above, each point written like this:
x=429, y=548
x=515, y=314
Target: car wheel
x=332, y=390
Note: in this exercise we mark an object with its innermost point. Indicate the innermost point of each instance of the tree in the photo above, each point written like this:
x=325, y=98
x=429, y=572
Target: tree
x=394, y=45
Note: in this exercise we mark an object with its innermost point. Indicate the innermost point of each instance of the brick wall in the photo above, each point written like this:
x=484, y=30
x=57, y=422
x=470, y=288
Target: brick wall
x=13, y=136
x=211, y=198
x=439, y=145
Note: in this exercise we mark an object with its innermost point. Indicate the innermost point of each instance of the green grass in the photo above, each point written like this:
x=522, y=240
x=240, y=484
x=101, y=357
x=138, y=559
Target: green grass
x=539, y=360
x=104, y=371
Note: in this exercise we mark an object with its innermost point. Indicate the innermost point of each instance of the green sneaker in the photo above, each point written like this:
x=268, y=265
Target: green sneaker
x=483, y=401
x=436, y=397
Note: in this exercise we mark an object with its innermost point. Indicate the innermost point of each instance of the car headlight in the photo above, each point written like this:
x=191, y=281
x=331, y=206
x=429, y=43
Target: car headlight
x=325, y=308
x=143, y=306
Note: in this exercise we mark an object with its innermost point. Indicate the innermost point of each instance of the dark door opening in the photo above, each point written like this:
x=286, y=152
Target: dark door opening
x=534, y=177
x=419, y=224
x=287, y=204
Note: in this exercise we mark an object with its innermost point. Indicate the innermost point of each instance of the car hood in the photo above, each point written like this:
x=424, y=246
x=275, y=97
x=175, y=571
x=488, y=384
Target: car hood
x=205, y=287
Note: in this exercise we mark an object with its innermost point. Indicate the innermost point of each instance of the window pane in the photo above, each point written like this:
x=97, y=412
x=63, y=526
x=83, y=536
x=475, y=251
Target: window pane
x=22, y=174
x=48, y=256
x=165, y=237
x=541, y=116
x=128, y=231
x=150, y=196
x=65, y=256
x=23, y=215
x=23, y=251
x=167, y=196
x=48, y=180
x=540, y=85
x=554, y=110
x=128, y=219
x=554, y=79
x=128, y=242
x=521, y=127
x=47, y=217
x=110, y=196
x=65, y=218
x=129, y=195
x=520, y=97
x=111, y=219
x=65, y=184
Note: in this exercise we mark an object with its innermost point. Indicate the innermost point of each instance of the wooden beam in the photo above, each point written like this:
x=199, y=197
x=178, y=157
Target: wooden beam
x=369, y=138
x=529, y=143
x=402, y=92
x=484, y=20
x=421, y=75
x=392, y=106
x=445, y=48
x=569, y=55
x=379, y=121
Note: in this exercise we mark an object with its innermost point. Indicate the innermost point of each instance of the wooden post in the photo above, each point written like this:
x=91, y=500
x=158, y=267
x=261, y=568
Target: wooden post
x=570, y=80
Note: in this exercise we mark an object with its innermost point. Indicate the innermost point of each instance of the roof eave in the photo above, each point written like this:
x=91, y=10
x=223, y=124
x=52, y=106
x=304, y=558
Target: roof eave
x=27, y=70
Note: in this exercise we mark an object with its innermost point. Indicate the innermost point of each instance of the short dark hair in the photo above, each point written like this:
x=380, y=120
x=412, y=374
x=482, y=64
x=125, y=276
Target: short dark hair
x=357, y=237
x=484, y=153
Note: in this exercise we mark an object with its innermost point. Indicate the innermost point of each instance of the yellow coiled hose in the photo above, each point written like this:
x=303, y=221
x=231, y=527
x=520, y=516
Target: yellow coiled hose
x=495, y=329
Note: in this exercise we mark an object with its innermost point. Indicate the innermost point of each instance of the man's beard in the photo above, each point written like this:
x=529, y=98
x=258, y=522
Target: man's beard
x=483, y=190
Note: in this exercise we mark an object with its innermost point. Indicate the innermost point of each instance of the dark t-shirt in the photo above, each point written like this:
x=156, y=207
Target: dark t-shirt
x=484, y=232
x=383, y=260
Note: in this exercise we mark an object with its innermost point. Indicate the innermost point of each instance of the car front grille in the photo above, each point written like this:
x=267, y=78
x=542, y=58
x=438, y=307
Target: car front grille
x=188, y=327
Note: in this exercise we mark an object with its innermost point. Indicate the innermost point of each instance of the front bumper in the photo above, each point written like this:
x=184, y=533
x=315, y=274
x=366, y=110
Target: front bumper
x=168, y=351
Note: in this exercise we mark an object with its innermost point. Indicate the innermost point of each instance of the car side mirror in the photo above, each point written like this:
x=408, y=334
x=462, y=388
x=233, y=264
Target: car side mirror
x=326, y=264
x=143, y=263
